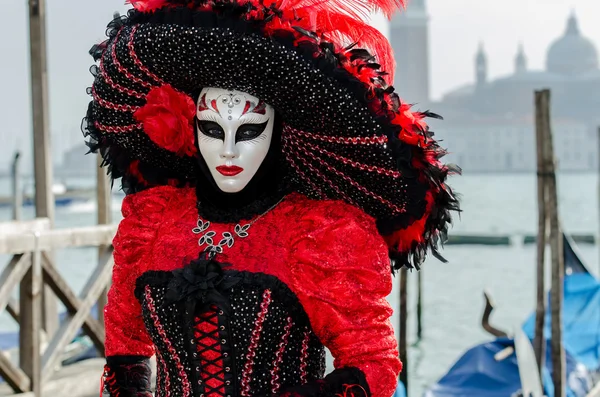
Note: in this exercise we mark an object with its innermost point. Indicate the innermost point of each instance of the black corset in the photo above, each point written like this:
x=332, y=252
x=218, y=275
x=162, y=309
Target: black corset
x=227, y=334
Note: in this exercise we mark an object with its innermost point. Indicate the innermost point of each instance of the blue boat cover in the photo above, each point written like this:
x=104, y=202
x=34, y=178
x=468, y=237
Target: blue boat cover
x=400, y=390
x=477, y=373
x=581, y=319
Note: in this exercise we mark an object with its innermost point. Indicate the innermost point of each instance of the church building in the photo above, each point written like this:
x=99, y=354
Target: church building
x=489, y=124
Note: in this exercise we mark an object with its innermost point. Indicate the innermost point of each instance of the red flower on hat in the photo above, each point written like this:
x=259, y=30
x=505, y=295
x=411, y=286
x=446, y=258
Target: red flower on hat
x=168, y=119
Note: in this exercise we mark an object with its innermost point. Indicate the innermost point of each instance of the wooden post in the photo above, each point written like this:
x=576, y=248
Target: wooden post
x=402, y=329
x=44, y=197
x=541, y=125
x=44, y=200
x=419, y=304
x=104, y=218
x=17, y=190
x=30, y=326
x=556, y=249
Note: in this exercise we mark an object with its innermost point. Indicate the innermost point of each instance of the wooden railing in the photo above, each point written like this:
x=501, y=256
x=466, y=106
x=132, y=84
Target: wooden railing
x=32, y=268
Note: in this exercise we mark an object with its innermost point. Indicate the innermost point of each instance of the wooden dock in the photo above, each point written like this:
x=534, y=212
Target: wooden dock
x=33, y=269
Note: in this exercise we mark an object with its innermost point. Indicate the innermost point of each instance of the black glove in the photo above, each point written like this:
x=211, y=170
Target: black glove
x=343, y=382
x=127, y=376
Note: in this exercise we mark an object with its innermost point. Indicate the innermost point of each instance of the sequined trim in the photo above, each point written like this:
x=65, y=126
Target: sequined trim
x=113, y=106
x=305, y=177
x=256, y=332
x=290, y=157
x=159, y=328
x=346, y=161
x=165, y=371
x=137, y=60
x=275, y=381
x=119, y=128
x=118, y=87
x=113, y=54
x=299, y=150
x=356, y=140
x=304, y=358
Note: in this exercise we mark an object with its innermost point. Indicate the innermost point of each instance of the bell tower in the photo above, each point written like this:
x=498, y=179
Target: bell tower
x=409, y=36
x=521, y=60
x=481, y=68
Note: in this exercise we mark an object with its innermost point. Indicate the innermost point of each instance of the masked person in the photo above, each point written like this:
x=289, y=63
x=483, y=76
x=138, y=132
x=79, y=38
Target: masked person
x=274, y=180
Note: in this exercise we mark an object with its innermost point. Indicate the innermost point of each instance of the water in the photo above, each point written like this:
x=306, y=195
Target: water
x=453, y=292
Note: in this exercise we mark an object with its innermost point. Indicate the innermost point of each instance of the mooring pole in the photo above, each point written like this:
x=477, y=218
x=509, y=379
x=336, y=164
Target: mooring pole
x=104, y=215
x=556, y=249
x=419, y=304
x=44, y=196
x=541, y=125
x=17, y=189
x=402, y=327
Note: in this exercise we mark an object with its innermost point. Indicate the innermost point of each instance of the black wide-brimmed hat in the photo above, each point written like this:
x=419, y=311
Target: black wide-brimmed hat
x=346, y=133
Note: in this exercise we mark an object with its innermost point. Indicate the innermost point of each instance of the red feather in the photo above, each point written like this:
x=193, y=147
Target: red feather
x=404, y=240
x=345, y=30
x=147, y=5
x=357, y=9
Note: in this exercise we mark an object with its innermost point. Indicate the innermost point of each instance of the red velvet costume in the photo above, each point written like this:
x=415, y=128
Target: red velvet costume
x=327, y=252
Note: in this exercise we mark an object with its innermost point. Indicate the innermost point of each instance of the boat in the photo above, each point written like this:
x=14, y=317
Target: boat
x=506, y=367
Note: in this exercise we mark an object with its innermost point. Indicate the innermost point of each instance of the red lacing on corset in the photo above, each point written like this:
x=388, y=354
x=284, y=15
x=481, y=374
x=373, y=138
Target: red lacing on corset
x=212, y=373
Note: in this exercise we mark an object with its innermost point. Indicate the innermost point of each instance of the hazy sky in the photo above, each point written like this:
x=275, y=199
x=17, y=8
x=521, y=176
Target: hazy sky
x=457, y=26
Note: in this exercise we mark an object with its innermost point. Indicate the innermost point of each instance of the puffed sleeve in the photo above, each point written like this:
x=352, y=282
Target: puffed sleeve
x=128, y=345
x=342, y=276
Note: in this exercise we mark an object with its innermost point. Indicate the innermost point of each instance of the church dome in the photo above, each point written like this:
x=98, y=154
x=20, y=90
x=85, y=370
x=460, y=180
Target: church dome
x=572, y=54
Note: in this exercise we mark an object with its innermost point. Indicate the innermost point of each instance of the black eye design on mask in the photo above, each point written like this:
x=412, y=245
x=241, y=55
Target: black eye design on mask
x=211, y=129
x=247, y=132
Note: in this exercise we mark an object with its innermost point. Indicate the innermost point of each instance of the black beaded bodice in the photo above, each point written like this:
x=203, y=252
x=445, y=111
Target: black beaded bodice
x=232, y=334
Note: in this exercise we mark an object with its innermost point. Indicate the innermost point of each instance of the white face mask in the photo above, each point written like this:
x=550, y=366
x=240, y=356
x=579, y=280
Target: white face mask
x=234, y=135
